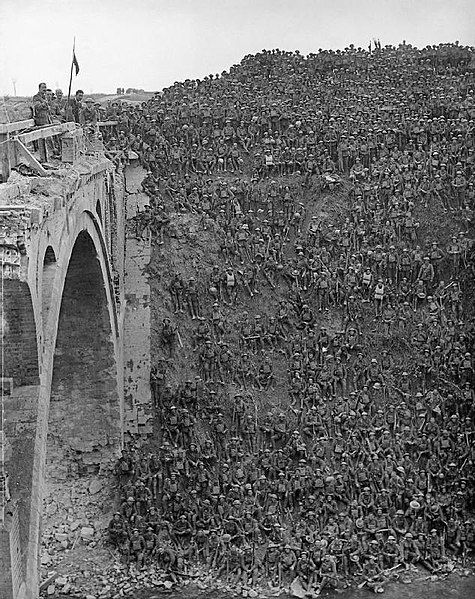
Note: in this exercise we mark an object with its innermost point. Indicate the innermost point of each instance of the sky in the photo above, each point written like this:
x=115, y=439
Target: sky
x=150, y=44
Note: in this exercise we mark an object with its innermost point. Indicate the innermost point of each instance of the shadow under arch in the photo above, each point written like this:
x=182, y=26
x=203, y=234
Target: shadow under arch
x=84, y=415
x=99, y=210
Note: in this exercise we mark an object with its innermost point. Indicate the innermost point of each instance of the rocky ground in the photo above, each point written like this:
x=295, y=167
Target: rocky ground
x=117, y=583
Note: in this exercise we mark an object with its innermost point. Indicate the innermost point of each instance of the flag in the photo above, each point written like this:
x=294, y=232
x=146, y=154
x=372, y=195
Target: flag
x=75, y=66
x=75, y=63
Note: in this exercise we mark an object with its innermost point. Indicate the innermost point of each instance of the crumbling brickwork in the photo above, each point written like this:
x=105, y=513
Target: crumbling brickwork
x=19, y=347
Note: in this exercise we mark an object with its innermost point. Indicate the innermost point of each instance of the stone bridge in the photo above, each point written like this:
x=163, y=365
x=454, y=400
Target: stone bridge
x=63, y=248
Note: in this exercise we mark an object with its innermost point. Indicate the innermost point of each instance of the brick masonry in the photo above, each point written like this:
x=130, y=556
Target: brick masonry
x=20, y=364
x=19, y=343
x=11, y=569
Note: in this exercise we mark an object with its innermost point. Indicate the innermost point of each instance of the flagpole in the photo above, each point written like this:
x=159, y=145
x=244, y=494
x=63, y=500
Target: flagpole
x=71, y=74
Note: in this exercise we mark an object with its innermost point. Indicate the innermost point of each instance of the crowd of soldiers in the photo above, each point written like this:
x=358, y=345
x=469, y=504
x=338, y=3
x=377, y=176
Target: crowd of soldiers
x=370, y=332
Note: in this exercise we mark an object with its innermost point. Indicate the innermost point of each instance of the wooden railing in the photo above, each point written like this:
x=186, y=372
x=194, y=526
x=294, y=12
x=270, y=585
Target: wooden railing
x=15, y=137
x=6, y=128
x=13, y=144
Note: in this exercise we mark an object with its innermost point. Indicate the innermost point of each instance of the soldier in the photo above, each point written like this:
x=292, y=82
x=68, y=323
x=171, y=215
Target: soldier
x=374, y=578
x=137, y=548
x=157, y=382
x=272, y=566
x=41, y=107
x=192, y=297
x=391, y=552
x=436, y=257
x=182, y=531
x=305, y=571
x=150, y=549
x=410, y=552
x=379, y=297
x=173, y=425
x=208, y=361
x=117, y=530
x=328, y=574
x=435, y=551
x=231, y=286
x=249, y=568
x=125, y=468
x=176, y=289
x=249, y=432
x=169, y=336
x=266, y=374
x=88, y=115
x=287, y=564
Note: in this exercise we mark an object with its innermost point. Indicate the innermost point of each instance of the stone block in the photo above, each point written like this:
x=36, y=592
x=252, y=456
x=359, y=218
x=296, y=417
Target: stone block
x=95, y=486
x=75, y=525
x=87, y=533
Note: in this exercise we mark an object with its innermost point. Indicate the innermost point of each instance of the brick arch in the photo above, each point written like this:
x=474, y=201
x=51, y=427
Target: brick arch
x=84, y=376
x=80, y=344
x=62, y=247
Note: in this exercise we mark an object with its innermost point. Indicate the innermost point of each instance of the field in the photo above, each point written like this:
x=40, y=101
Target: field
x=18, y=108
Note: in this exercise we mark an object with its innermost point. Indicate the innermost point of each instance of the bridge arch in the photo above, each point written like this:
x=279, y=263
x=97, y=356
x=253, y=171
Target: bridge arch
x=84, y=411
x=80, y=410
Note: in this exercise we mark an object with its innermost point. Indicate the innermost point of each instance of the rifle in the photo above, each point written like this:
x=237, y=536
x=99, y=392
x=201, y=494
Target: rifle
x=264, y=272
x=184, y=574
x=383, y=573
x=213, y=563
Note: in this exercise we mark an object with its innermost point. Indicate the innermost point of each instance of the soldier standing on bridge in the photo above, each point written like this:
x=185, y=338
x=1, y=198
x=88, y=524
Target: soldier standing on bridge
x=58, y=107
x=41, y=107
x=88, y=115
x=75, y=106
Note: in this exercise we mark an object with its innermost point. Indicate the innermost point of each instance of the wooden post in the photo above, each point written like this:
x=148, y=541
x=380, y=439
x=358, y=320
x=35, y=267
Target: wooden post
x=42, y=150
x=28, y=157
x=5, y=156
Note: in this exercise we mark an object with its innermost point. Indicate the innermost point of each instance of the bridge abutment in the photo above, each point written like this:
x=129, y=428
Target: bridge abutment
x=137, y=314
